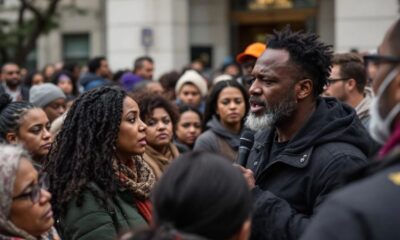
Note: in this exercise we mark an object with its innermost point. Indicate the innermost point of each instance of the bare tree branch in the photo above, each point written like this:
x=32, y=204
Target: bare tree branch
x=38, y=29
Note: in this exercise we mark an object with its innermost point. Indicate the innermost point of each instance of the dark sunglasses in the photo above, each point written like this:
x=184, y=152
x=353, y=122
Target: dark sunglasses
x=380, y=58
x=36, y=190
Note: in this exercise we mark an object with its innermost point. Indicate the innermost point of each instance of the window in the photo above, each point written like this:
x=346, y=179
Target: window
x=76, y=48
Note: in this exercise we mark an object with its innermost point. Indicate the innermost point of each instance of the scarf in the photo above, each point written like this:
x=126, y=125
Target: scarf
x=139, y=179
x=159, y=161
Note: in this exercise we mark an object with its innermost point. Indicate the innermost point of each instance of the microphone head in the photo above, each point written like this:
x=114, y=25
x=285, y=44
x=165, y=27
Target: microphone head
x=247, y=139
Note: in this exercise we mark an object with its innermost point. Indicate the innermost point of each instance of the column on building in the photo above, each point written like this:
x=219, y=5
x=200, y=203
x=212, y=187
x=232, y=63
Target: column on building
x=166, y=20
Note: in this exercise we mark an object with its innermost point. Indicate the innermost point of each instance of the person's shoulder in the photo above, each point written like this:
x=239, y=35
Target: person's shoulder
x=373, y=191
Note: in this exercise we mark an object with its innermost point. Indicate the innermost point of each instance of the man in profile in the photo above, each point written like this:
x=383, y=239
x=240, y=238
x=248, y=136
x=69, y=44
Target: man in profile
x=347, y=83
x=304, y=142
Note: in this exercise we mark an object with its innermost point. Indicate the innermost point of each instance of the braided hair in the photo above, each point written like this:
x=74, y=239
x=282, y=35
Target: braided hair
x=83, y=150
x=11, y=114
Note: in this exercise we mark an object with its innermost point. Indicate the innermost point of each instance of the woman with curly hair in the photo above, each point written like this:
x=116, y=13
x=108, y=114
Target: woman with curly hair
x=161, y=117
x=226, y=110
x=99, y=181
x=24, y=124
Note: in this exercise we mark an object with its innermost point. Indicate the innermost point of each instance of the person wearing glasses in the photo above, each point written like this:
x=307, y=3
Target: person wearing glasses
x=304, y=142
x=368, y=208
x=25, y=208
x=347, y=83
x=12, y=84
x=27, y=125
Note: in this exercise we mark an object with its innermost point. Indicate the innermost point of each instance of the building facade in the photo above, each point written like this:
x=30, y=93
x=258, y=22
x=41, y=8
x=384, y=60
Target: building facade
x=174, y=32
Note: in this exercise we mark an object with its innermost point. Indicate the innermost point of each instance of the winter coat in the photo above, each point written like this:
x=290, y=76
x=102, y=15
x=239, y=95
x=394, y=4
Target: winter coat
x=94, y=221
x=218, y=139
x=90, y=81
x=368, y=208
x=292, y=186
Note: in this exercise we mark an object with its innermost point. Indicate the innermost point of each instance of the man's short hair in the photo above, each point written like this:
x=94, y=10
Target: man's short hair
x=307, y=52
x=95, y=64
x=7, y=64
x=139, y=62
x=351, y=66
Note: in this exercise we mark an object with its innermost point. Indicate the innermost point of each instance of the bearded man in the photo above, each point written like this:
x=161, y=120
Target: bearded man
x=304, y=142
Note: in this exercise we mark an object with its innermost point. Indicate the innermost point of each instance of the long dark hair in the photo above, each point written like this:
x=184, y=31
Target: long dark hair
x=212, y=99
x=82, y=152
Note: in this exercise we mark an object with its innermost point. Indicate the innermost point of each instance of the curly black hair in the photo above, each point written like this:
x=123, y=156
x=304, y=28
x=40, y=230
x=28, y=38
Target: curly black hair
x=11, y=114
x=147, y=103
x=307, y=52
x=83, y=150
x=212, y=99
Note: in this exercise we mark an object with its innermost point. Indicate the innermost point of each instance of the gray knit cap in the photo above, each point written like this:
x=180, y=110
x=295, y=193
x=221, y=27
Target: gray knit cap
x=43, y=94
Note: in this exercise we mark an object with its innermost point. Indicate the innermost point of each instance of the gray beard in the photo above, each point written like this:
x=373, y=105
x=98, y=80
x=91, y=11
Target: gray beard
x=272, y=116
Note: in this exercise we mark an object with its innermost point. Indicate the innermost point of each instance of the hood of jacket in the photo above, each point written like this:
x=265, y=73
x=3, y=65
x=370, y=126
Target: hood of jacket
x=215, y=125
x=331, y=121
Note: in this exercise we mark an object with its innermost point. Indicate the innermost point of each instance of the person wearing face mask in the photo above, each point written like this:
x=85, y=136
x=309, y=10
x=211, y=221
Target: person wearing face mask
x=25, y=209
x=369, y=207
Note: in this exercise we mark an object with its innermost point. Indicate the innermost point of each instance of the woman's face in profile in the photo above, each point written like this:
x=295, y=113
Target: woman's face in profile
x=30, y=208
x=132, y=131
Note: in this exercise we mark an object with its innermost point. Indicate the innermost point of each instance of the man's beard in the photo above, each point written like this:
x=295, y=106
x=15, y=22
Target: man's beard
x=273, y=114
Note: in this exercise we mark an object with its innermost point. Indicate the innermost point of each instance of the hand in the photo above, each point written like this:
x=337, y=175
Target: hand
x=248, y=175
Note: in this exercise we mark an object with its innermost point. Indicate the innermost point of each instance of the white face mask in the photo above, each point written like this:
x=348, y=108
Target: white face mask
x=379, y=127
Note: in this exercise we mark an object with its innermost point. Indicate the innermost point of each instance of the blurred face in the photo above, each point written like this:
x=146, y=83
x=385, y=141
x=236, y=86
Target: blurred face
x=55, y=109
x=35, y=217
x=336, y=85
x=188, y=127
x=11, y=75
x=103, y=69
x=65, y=84
x=155, y=88
x=37, y=79
x=190, y=95
x=33, y=133
x=230, y=106
x=232, y=70
x=48, y=72
x=146, y=72
x=132, y=131
x=159, y=130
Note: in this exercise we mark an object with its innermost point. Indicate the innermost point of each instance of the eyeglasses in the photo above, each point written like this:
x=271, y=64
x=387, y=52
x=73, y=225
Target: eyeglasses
x=330, y=81
x=36, y=192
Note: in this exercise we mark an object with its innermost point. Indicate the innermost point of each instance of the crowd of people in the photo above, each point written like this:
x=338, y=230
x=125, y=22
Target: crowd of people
x=90, y=154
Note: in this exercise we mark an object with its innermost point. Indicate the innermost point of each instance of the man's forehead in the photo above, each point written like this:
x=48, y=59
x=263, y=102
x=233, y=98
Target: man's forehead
x=272, y=58
x=9, y=66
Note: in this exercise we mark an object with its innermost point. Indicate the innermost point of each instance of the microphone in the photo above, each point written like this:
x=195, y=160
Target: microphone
x=246, y=143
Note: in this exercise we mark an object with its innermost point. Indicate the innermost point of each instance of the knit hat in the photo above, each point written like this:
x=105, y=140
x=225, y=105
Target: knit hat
x=129, y=80
x=41, y=95
x=253, y=50
x=191, y=76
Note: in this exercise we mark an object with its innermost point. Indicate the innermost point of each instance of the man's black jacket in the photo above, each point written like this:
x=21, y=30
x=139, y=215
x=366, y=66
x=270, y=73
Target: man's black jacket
x=290, y=187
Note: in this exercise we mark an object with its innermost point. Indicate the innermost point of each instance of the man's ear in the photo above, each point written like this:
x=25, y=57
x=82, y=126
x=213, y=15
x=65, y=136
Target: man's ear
x=351, y=84
x=12, y=138
x=304, y=88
